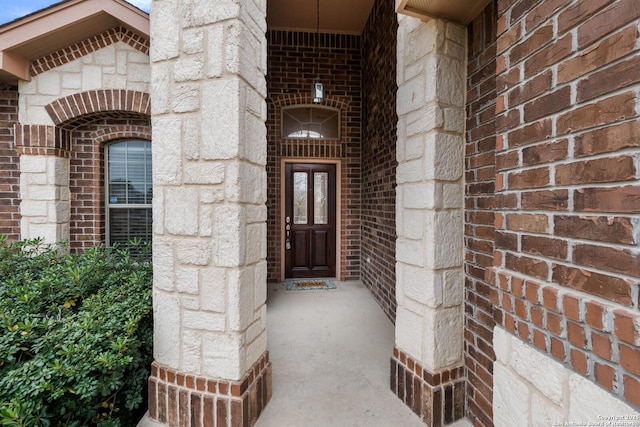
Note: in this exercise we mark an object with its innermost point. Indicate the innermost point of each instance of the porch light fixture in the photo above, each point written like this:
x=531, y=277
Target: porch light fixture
x=317, y=88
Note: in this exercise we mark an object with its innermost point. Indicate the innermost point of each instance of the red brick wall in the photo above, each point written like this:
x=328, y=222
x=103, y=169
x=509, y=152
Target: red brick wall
x=86, y=175
x=86, y=121
x=479, y=216
x=9, y=164
x=293, y=63
x=379, y=121
x=567, y=261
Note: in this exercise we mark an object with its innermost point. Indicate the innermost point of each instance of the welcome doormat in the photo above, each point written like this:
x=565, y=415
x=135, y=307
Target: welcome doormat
x=309, y=284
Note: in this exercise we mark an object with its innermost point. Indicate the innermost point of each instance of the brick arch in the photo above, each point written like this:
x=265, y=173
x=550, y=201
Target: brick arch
x=84, y=107
x=113, y=133
x=305, y=98
x=91, y=44
x=311, y=147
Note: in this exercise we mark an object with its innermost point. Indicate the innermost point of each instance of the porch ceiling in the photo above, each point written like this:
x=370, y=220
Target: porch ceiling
x=349, y=17
x=336, y=16
x=59, y=26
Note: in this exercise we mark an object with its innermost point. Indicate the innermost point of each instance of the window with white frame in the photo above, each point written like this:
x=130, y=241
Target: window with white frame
x=310, y=122
x=129, y=191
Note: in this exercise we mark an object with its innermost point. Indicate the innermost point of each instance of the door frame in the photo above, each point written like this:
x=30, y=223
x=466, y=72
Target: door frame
x=281, y=220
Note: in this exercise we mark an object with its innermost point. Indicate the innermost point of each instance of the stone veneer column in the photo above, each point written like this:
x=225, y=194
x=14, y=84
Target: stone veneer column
x=44, y=182
x=208, y=62
x=427, y=367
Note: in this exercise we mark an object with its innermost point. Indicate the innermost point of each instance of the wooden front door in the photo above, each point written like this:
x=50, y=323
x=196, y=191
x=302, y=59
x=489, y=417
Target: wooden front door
x=310, y=220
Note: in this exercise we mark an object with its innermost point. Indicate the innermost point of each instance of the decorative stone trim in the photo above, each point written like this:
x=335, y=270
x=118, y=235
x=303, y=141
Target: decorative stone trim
x=437, y=398
x=81, y=108
x=87, y=46
x=178, y=398
x=42, y=140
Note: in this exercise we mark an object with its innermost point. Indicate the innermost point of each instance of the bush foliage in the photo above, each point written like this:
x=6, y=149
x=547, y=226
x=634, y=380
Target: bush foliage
x=75, y=335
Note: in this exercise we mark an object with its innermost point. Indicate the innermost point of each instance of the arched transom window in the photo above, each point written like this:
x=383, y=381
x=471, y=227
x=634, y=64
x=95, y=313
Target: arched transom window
x=129, y=191
x=310, y=122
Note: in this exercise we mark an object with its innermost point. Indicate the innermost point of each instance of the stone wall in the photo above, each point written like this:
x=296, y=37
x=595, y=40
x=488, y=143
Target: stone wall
x=479, y=228
x=532, y=389
x=294, y=62
x=66, y=202
x=567, y=262
x=9, y=164
x=209, y=151
x=78, y=98
x=379, y=122
x=429, y=207
x=44, y=192
x=108, y=61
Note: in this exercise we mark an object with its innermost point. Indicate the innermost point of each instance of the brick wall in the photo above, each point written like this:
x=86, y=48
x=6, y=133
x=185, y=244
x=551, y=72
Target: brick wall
x=293, y=63
x=567, y=262
x=379, y=122
x=85, y=122
x=86, y=180
x=479, y=217
x=9, y=164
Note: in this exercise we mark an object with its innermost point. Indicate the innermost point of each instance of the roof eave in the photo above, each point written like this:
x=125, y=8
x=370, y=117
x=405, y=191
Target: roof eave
x=55, y=25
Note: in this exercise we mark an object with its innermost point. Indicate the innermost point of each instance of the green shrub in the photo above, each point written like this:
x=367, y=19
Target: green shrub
x=75, y=335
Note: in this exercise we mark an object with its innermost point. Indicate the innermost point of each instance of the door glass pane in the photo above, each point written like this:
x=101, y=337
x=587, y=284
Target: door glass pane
x=321, y=210
x=300, y=202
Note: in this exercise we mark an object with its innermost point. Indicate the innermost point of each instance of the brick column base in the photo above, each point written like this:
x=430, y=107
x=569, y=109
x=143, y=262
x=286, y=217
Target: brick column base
x=177, y=398
x=438, y=399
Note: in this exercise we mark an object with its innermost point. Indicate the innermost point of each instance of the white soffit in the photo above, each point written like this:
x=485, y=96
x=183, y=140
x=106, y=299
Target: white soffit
x=460, y=11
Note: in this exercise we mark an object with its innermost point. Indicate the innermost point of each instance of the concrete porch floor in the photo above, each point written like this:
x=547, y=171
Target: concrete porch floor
x=330, y=352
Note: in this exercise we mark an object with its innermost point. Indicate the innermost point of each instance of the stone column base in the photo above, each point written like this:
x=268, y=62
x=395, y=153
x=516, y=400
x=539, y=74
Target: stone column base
x=180, y=399
x=437, y=398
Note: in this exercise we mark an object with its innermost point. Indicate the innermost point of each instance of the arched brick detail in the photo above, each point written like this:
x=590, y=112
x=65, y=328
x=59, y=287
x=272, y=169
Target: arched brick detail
x=93, y=43
x=305, y=98
x=309, y=147
x=121, y=132
x=81, y=108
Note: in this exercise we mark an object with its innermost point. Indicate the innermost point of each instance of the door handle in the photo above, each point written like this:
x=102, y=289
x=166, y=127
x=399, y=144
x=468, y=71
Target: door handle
x=287, y=228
